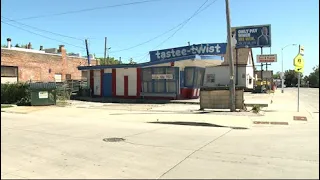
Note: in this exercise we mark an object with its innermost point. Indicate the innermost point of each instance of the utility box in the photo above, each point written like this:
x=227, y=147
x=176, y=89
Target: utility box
x=219, y=97
x=43, y=94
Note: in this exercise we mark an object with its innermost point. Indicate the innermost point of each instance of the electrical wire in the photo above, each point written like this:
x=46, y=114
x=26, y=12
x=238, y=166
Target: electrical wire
x=199, y=10
x=42, y=29
x=86, y=10
x=193, y=15
x=156, y=37
x=41, y=35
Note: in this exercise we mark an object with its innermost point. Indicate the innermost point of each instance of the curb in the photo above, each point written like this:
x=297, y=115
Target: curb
x=12, y=112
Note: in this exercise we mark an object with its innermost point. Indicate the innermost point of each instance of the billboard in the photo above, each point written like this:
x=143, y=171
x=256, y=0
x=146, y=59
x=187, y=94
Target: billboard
x=251, y=36
x=266, y=58
x=196, y=49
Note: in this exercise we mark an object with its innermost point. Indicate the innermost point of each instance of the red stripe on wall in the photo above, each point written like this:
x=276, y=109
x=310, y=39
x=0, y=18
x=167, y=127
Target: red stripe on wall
x=126, y=84
x=138, y=82
x=91, y=82
x=101, y=82
x=114, y=83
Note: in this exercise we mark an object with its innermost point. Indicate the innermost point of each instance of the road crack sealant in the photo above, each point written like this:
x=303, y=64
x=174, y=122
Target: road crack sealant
x=194, y=153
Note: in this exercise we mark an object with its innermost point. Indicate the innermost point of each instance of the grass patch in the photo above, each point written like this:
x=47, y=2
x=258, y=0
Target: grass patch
x=62, y=103
x=6, y=106
x=256, y=109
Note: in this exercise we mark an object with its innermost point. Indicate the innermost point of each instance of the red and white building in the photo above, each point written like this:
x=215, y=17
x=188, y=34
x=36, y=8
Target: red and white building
x=175, y=78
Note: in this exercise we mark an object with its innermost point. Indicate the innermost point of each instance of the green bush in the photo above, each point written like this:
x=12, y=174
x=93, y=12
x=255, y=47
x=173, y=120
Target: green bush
x=256, y=109
x=17, y=93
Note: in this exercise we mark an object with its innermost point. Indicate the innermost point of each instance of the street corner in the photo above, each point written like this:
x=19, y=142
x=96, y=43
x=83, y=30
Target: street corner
x=25, y=109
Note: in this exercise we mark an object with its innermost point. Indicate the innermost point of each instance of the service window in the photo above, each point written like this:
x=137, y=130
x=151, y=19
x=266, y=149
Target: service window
x=188, y=76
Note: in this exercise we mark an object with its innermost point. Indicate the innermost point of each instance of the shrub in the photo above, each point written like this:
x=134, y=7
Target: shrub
x=17, y=93
x=256, y=109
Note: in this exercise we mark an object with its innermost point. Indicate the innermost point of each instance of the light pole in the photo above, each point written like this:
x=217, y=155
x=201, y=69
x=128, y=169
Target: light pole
x=108, y=55
x=282, y=74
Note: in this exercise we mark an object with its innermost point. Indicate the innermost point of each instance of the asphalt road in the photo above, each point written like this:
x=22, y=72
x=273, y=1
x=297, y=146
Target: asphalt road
x=71, y=146
x=308, y=97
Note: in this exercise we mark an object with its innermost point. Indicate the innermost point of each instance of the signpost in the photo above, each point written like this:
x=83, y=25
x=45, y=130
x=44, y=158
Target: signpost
x=267, y=58
x=298, y=63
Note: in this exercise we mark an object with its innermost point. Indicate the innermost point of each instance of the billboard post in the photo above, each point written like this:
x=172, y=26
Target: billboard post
x=231, y=64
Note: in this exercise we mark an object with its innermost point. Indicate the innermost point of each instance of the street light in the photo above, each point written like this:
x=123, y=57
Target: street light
x=282, y=74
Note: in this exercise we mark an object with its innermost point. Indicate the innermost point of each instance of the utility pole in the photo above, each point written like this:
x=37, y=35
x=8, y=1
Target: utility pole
x=231, y=64
x=105, y=49
x=87, y=48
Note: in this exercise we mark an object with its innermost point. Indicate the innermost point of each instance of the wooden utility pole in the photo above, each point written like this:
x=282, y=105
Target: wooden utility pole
x=105, y=49
x=231, y=64
x=87, y=48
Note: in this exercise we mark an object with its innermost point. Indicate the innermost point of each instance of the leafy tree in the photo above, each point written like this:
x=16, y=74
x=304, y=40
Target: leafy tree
x=4, y=46
x=108, y=61
x=291, y=78
x=313, y=77
x=17, y=46
x=277, y=75
x=132, y=62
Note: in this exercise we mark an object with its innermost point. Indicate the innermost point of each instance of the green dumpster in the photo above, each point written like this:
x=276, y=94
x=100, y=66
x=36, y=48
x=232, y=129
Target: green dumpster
x=43, y=94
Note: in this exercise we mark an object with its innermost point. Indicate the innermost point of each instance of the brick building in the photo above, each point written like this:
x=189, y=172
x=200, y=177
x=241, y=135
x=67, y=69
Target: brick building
x=21, y=64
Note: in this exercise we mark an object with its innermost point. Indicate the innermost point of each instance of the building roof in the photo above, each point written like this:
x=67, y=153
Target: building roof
x=193, y=57
x=243, y=55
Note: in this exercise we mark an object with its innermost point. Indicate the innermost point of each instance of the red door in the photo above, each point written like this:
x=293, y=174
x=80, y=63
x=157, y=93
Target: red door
x=126, y=85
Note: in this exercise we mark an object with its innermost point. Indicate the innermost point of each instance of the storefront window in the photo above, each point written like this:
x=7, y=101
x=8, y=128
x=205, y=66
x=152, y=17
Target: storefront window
x=159, y=86
x=188, y=74
x=171, y=70
x=146, y=74
x=171, y=86
x=199, y=75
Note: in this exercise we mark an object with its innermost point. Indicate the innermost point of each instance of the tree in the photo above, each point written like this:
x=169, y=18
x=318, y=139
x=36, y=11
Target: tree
x=4, y=46
x=132, y=62
x=313, y=77
x=277, y=75
x=108, y=61
x=291, y=78
x=17, y=46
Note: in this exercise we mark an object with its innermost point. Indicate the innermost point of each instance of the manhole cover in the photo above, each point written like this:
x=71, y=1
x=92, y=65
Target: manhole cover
x=113, y=139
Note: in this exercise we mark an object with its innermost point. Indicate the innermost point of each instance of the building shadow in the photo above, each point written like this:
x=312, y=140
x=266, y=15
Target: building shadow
x=185, y=123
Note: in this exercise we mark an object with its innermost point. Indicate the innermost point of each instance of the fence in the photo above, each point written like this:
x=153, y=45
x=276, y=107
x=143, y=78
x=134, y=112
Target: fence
x=69, y=87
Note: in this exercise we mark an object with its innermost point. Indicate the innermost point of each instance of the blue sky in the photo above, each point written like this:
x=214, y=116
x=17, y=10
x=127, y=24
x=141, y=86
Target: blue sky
x=291, y=21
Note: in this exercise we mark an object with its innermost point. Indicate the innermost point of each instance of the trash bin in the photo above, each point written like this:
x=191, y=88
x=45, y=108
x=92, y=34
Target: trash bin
x=43, y=94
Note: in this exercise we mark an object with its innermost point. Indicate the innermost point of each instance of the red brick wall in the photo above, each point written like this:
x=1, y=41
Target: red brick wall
x=35, y=66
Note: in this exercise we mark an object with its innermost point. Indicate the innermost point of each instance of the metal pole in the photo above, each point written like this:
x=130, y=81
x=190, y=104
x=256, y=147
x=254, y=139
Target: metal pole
x=298, y=89
x=87, y=48
x=261, y=68
x=105, y=49
x=237, y=70
x=231, y=64
x=282, y=80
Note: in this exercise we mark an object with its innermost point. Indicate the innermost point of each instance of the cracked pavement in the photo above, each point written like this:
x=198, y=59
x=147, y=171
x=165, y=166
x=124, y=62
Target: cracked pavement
x=67, y=146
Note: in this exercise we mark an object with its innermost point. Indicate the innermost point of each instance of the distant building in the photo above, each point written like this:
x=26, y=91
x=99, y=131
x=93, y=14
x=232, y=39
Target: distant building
x=243, y=70
x=25, y=64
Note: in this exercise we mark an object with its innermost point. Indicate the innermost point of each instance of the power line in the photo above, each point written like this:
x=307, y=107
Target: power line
x=88, y=9
x=43, y=29
x=199, y=10
x=41, y=35
x=156, y=37
x=192, y=16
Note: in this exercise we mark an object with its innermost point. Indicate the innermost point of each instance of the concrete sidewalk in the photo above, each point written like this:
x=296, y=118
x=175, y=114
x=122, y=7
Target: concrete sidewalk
x=283, y=109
